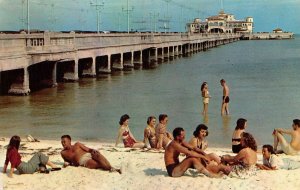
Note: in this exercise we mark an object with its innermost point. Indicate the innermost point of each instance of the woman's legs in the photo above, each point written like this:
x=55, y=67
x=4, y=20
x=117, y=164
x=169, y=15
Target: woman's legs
x=139, y=145
x=205, y=108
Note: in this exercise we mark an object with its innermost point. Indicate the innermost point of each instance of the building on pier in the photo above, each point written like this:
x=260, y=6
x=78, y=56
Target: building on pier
x=221, y=23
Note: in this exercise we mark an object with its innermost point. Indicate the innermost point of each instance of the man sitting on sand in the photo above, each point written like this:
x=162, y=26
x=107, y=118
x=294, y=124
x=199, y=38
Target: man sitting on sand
x=80, y=155
x=193, y=159
x=293, y=147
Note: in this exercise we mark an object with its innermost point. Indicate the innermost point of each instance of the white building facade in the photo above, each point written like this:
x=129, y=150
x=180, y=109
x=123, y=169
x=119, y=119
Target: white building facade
x=221, y=23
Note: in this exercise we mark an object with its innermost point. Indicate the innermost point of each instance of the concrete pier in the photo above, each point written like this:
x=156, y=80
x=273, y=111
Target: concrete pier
x=31, y=61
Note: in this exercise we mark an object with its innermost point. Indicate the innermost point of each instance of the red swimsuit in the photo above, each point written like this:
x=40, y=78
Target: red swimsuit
x=128, y=140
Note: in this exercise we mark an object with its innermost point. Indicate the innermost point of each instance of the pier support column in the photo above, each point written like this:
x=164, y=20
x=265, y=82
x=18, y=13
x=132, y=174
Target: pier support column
x=141, y=58
x=93, y=66
x=21, y=85
x=54, y=82
x=72, y=75
x=132, y=59
x=155, y=55
x=176, y=50
x=90, y=68
x=173, y=52
x=109, y=63
x=121, y=61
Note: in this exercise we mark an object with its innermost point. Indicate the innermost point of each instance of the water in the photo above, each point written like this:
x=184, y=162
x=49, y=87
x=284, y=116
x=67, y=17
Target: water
x=263, y=77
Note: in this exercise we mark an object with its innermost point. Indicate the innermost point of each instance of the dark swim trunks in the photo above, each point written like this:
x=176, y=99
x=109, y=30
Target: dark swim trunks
x=226, y=99
x=170, y=168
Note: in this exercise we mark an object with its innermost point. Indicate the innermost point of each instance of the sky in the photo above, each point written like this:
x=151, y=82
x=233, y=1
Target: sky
x=144, y=15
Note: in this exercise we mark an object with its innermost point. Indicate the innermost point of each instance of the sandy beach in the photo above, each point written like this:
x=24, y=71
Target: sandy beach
x=142, y=169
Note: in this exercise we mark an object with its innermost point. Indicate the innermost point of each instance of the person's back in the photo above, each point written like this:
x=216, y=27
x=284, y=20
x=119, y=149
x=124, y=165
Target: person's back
x=171, y=154
x=248, y=156
x=295, y=141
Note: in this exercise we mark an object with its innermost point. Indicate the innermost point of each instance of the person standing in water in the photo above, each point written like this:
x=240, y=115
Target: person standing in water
x=225, y=98
x=205, y=97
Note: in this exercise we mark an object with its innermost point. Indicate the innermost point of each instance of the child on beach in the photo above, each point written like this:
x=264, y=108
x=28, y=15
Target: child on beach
x=124, y=132
x=33, y=165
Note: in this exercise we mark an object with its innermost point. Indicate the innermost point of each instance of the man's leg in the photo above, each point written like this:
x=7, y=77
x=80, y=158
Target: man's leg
x=227, y=108
x=139, y=145
x=188, y=163
x=279, y=138
x=99, y=161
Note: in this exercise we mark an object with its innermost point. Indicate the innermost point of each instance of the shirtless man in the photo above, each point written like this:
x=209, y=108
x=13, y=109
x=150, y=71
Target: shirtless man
x=225, y=99
x=80, y=155
x=293, y=147
x=163, y=137
x=177, y=146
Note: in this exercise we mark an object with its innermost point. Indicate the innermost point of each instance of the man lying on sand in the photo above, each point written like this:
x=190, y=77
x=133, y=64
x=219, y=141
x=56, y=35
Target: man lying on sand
x=273, y=162
x=80, y=155
x=292, y=148
x=193, y=159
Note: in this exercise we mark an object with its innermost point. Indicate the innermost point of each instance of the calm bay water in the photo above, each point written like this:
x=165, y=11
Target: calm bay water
x=263, y=77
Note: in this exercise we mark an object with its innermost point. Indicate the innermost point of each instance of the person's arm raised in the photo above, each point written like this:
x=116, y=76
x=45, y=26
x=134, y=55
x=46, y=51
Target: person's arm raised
x=286, y=131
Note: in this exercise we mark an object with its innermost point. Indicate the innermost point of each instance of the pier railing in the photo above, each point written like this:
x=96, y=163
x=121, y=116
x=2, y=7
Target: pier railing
x=47, y=41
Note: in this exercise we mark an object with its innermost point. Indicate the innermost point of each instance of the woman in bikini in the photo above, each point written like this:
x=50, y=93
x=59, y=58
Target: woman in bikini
x=205, y=97
x=241, y=124
x=199, y=141
x=124, y=132
x=149, y=132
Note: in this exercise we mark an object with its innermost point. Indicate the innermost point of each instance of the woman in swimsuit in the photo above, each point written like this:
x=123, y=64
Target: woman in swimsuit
x=241, y=124
x=199, y=141
x=124, y=132
x=205, y=97
x=149, y=132
x=243, y=165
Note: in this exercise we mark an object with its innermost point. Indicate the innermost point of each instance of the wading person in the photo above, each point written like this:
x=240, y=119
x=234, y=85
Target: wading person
x=225, y=98
x=205, y=97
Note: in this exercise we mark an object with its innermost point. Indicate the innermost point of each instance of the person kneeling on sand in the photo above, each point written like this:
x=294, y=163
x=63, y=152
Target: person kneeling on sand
x=272, y=162
x=80, y=155
x=33, y=165
x=243, y=164
x=193, y=159
x=292, y=148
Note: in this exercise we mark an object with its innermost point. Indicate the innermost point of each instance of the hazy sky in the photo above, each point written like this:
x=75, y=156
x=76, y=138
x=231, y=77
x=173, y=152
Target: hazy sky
x=144, y=14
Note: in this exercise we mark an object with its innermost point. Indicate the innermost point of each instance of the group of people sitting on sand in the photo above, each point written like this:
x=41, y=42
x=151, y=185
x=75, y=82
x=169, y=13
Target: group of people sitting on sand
x=156, y=136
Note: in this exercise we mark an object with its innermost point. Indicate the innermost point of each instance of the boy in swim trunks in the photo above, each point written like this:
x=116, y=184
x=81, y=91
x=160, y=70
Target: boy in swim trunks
x=80, y=155
x=293, y=147
x=225, y=98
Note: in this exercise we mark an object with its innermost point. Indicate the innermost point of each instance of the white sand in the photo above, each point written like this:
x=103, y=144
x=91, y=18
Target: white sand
x=141, y=170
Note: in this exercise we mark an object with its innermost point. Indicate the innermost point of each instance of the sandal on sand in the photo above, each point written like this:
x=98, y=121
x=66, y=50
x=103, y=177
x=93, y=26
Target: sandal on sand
x=55, y=169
